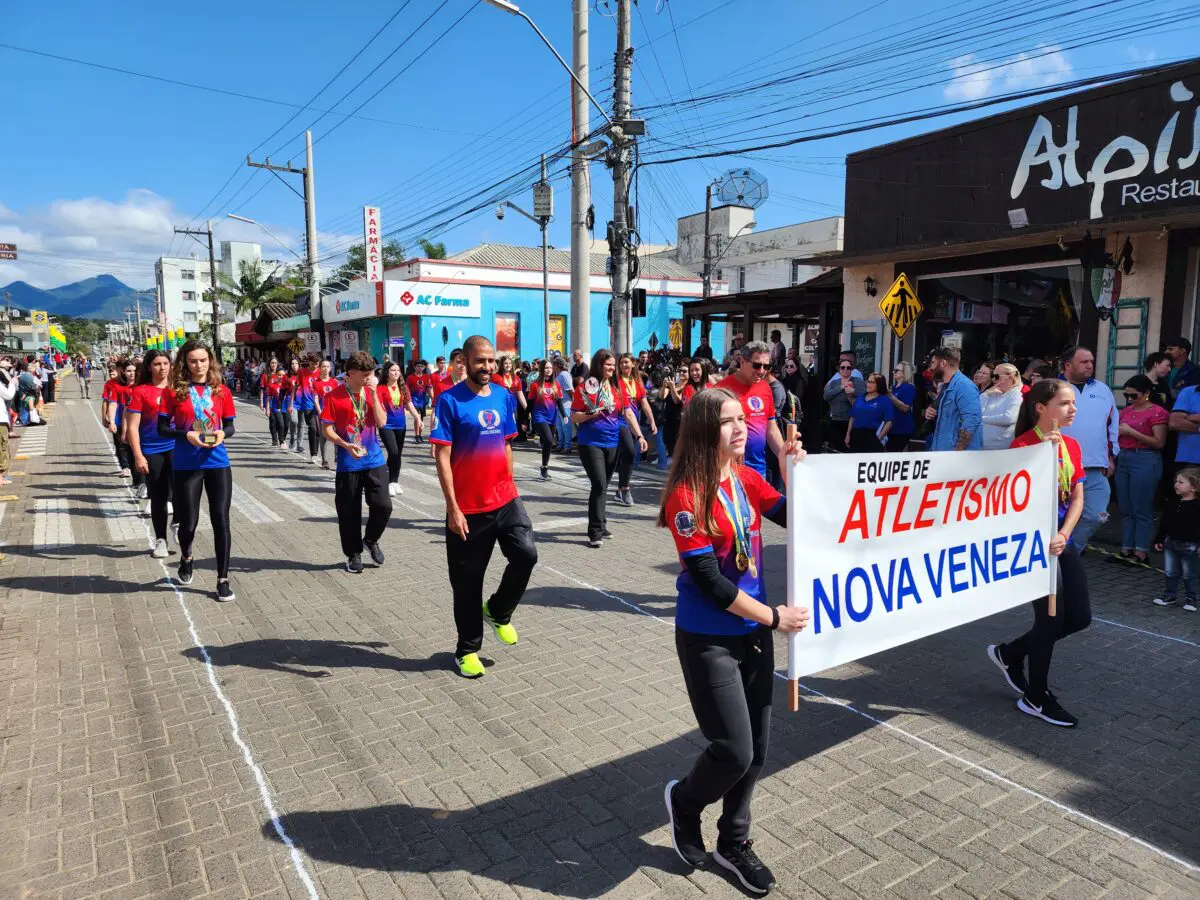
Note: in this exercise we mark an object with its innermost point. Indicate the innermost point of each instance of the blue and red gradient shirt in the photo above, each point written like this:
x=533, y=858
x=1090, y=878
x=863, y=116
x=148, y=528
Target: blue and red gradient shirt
x=604, y=430
x=304, y=388
x=694, y=612
x=277, y=387
x=182, y=414
x=476, y=428
x=147, y=402
x=543, y=399
x=418, y=389
x=119, y=395
x=357, y=426
x=634, y=393
x=759, y=406
x=393, y=405
x=322, y=388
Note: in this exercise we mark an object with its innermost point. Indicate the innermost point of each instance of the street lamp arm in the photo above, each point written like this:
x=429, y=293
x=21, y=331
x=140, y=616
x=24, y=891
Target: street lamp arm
x=721, y=255
x=515, y=208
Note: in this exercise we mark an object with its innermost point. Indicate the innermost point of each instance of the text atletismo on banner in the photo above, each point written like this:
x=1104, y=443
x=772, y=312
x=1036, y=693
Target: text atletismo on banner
x=888, y=550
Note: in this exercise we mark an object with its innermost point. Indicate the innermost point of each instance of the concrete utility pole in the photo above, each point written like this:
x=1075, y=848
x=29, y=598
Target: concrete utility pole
x=310, y=215
x=215, y=293
x=581, y=190
x=707, y=241
x=618, y=233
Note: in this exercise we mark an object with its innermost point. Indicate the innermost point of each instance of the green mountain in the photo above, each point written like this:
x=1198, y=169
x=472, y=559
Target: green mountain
x=103, y=298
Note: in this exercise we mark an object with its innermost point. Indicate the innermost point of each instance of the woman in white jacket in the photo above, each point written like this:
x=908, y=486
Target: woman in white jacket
x=1000, y=405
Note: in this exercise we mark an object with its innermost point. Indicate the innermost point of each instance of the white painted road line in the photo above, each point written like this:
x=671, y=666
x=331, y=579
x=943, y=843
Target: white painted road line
x=301, y=496
x=52, y=523
x=257, y=513
x=33, y=441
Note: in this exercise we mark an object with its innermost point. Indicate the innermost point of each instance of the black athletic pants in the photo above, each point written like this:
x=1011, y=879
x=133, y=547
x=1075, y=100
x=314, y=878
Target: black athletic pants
x=1073, y=612
x=898, y=443
x=348, y=491
x=627, y=451
x=310, y=422
x=160, y=483
x=125, y=458
x=729, y=683
x=278, y=424
x=468, y=559
x=545, y=433
x=599, y=463
x=393, y=443
x=218, y=484
x=865, y=440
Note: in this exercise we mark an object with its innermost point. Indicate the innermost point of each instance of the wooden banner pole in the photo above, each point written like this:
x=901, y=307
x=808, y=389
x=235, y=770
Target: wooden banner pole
x=793, y=684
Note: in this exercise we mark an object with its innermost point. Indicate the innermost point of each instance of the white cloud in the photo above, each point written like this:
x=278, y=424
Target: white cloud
x=974, y=79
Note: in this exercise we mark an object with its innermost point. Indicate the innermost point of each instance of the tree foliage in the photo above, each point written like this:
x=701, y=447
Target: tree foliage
x=431, y=249
x=356, y=261
x=255, y=286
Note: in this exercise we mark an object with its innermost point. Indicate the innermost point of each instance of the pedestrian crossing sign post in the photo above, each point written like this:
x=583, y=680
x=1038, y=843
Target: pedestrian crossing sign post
x=901, y=306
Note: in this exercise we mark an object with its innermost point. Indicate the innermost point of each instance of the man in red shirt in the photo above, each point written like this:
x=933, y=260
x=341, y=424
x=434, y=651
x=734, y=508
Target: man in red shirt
x=748, y=383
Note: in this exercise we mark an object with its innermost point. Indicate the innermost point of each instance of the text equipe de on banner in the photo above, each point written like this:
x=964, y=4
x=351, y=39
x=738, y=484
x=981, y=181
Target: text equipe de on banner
x=885, y=549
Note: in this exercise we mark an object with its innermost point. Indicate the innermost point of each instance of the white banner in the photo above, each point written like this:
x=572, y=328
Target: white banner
x=885, y=549
x=373, y=243
x=349, y=342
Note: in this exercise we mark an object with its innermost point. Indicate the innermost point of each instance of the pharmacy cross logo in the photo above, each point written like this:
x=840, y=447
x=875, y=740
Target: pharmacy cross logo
x=407, y=298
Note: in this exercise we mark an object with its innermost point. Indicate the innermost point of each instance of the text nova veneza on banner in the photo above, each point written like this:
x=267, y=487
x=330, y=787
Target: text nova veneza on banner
x=885, y=549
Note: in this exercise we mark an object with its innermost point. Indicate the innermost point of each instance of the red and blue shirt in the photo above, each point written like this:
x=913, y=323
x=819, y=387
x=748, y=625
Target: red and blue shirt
x=146, y=401
x=603, y=430
x=634, y=392
x=418, y=385
x=119, y=395
x=1073, y=453
x=277, y=386
x=183, y=414
x=759, y=406
x=394, y=405
x=544, y=397
x=477, y=427
x=694, y=612
x=354, y=426
x=322, y=388
x=304, y=388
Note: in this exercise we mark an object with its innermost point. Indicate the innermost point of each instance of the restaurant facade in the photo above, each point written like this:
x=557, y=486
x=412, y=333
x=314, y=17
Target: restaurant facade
x=1075, y=221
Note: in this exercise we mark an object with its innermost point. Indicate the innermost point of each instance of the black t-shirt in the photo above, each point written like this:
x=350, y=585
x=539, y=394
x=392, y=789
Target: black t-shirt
x=579, y=371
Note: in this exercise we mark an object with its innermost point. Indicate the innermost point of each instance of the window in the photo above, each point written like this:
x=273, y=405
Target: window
x=188, y=275
x=508, y=333
x=795, y=272
x=189, y=318
x=741, y=275
x=189, y=296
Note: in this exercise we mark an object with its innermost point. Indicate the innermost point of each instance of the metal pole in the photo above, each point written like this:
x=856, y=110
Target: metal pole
x=707, y=241
x=545, y=273
x=619, y=238
x=581, y=261
x=137, y=308
x=216, y=297
x=310, y=222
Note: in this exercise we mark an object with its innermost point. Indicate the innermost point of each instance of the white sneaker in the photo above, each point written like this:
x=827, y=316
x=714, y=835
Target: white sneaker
x=141, y=491
x=160, y=549
x=315, y=460
x=399, y=489
x=146, y=509
x=170, y=507
x=392, y=489
x=175, y=532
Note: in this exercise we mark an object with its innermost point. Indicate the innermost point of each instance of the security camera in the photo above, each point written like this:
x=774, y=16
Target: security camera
x=499, y=212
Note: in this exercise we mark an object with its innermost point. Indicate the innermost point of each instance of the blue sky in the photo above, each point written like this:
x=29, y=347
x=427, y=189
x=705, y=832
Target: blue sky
x=97, y=166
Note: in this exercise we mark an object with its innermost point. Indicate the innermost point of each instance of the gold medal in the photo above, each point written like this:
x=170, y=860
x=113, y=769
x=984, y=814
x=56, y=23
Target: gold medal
x=753, y=569
x=742, y=561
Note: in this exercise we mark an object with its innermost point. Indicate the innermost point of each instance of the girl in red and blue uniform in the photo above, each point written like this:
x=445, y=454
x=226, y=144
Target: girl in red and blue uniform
x=544, y=396
x=396, y=400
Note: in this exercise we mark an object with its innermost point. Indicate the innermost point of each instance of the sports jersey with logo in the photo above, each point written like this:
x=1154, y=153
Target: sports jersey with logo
x=212, y=407
x=634, y=392
x=146, y=401
x=394, y=401
x=353, y=418
x=603, y=430
x=276, y=385
x=417, y=387
x=759, y=406
x=752, y=498
x=304, y=388
x=543, y=398
x=477, y=427
x=1068, y=475
x=322, y=388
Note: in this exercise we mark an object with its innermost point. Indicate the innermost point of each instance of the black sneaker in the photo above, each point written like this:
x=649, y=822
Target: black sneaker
x=1050, y=710
x=376, y=552
x=354, y=564
x=545, y=473
x=224, y=591
x=742, y=861
x=594, y=543
x=606, y=534
x=185, y=571
x=686, y=837
x=1012, y=674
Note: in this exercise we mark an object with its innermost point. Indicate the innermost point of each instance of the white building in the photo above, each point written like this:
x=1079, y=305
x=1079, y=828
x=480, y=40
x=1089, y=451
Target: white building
x=183, y=281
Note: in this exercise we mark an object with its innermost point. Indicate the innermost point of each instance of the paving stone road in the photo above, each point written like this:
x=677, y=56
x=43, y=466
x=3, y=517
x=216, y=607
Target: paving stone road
x=310, y=739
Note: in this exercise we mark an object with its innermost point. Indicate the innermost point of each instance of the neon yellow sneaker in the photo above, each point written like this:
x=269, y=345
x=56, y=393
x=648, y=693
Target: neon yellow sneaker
x=470, y=666
x=505, y=634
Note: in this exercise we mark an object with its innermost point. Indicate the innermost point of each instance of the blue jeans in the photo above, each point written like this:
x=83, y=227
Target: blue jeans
x=563, y=425
x=1138, y=474
x=1096, y=494
x=661, y=446
x=1180, y=556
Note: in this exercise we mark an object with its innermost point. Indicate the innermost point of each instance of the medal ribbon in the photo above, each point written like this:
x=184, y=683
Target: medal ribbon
x=359, y=405
x=733, y=509
x=202, y=406
x=1066, y=468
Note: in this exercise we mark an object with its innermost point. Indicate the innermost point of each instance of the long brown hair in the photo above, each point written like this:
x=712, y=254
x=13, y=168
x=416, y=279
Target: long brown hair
x=599, y=358
x=181, y=378
x=1042, y=392
x=697, y=461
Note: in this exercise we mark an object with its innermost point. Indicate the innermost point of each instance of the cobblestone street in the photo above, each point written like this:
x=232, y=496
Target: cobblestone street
x=311, y=739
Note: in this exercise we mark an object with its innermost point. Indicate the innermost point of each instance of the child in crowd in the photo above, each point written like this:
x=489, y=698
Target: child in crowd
x=1178, y=537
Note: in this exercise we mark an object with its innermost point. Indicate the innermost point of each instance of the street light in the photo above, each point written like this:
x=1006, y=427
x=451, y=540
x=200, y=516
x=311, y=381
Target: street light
x=269, y=232
x=515, y=10
x=542, y=221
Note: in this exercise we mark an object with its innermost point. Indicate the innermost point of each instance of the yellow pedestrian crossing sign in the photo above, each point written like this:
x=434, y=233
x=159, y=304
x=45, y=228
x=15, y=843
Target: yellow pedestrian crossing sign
x=901, y=306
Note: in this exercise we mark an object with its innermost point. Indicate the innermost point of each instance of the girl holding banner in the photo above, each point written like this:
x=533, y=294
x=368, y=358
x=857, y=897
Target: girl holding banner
x=714, y=507
x=1049, y=406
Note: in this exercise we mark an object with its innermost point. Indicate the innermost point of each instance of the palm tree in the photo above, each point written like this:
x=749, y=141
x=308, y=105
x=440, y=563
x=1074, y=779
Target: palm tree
x=432, y=250
x=254, y=288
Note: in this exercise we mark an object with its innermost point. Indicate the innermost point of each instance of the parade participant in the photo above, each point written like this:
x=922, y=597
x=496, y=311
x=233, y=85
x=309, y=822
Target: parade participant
x=510, y=379
x=273, y=384
x=452, y=375
x=83, y=370
x=352, y=416
x=126, y=377
x=305, y=405
x=108, y=409
x=597, y=408
x=871, y=419
x=152, y=453
x=633, y=393
x=197, y=413
x=545, y=396
x=418, y=389
x=714, y=506
x=394, y=396
x=748, y=385
x=475, y=423
x=292, y=404
x=323, y=386
x=1049, y=406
